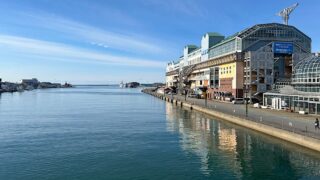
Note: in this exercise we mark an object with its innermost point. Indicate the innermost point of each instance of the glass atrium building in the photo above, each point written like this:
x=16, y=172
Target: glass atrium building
x=306, y=75
x=303, y=95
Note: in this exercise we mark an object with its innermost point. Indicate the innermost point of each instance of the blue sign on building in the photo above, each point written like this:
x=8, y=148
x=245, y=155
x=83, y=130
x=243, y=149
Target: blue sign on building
x=283, y=47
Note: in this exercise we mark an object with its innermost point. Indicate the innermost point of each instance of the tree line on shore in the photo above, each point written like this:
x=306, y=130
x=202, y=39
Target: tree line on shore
x=29, y=84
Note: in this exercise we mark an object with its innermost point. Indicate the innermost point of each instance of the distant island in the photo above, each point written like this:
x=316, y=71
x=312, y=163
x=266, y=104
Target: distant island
x=136, y=84
x=29, y=84
x=157, y=84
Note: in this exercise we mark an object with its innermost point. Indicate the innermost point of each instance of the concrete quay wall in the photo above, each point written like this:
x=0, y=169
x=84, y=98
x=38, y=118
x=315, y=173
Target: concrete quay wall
x=298, y=139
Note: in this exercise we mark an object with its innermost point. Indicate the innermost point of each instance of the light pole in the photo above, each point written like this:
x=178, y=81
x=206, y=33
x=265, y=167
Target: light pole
x=246, y=100
x=247, y=90
x=172, y=95
x=205, y=97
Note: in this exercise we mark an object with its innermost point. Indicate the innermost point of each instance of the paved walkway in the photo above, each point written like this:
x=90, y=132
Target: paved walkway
x=301, y=124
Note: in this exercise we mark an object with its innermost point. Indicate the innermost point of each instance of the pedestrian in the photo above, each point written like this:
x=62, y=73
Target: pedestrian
x=316, y=124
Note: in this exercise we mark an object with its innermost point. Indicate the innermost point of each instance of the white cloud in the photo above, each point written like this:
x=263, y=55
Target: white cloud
x=126, y=41
x=27, y=47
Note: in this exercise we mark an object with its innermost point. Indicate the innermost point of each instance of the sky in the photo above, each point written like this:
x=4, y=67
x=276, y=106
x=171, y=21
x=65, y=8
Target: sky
x=108, y=41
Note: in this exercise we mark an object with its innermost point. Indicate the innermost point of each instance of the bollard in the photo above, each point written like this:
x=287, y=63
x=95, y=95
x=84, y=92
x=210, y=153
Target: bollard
x=291, y=125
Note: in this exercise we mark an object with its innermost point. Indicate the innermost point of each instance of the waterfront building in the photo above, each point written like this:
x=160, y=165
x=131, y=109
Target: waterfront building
x=172, y=74
x=303, y=93
x=248, y=63
x=30, y=84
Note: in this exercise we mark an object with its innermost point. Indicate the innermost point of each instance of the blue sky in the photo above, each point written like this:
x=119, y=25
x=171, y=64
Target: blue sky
x=106, y=41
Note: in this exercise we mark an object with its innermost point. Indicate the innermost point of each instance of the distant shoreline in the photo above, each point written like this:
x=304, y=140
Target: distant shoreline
x=29, y=85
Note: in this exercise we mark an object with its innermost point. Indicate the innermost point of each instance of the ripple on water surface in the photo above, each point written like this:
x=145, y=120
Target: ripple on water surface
x=103, y=132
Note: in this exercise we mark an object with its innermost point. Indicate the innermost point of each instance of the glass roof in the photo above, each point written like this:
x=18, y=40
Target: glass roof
x=310, y=65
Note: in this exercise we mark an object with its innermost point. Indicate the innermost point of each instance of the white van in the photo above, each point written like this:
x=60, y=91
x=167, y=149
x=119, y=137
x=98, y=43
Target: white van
x=238, y=101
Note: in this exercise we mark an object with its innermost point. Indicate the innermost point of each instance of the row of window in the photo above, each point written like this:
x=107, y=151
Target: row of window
x=226, y=70
x=194, y=61
x=222, y=49
x=308, y=88
x=279, y=33
x=306, y=80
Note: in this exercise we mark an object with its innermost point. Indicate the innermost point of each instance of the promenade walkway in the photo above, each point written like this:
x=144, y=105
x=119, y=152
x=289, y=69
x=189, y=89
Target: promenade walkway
x=293, y=122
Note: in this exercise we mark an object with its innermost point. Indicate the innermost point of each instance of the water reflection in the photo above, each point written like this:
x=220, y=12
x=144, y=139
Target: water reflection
x=224, y=148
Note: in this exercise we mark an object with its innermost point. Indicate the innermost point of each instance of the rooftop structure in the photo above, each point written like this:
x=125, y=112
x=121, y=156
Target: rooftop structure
x=285, y=13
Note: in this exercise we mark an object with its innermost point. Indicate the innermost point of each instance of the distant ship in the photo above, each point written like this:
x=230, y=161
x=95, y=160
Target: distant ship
x=122, y=85
x=132, y=85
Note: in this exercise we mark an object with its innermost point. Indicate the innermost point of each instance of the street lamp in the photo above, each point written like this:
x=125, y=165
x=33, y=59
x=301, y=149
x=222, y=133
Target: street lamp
x=185, y=94
x=205, y=96
x=246, y=99
x=247, y=88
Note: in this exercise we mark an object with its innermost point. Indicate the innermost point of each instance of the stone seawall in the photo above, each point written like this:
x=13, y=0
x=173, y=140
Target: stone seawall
x=298, y=139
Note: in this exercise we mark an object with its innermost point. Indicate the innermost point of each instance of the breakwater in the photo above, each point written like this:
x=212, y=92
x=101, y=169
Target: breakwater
x=292, y=137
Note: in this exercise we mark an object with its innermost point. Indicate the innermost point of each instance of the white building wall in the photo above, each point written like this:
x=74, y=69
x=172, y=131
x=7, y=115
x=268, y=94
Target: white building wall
x=194, y=57
x=204, y=47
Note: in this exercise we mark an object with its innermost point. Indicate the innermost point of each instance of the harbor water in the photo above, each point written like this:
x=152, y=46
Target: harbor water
x=104, y=132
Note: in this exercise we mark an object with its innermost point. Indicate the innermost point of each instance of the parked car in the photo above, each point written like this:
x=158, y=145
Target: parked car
x=172, y=93
x=229, y=99
x=193, y=95
x=238, y=101
x=253, y=100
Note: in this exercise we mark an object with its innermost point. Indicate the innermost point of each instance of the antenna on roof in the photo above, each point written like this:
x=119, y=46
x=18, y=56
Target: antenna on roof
x=286, y=12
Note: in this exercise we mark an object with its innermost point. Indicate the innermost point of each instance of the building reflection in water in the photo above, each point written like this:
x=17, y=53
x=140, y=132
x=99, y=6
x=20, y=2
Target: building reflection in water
x=241, y=152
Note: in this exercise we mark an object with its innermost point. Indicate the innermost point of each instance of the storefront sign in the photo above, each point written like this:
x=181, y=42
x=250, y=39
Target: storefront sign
x=282, y=47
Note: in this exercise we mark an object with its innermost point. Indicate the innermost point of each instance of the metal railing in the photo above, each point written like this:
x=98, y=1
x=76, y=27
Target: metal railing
x=301, y=127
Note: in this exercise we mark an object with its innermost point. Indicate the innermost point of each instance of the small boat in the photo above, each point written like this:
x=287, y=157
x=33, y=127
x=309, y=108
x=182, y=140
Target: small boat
x=122, y=85
x=20, y=88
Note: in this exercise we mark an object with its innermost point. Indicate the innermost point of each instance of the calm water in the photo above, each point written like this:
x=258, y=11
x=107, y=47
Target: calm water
x=111, y=133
